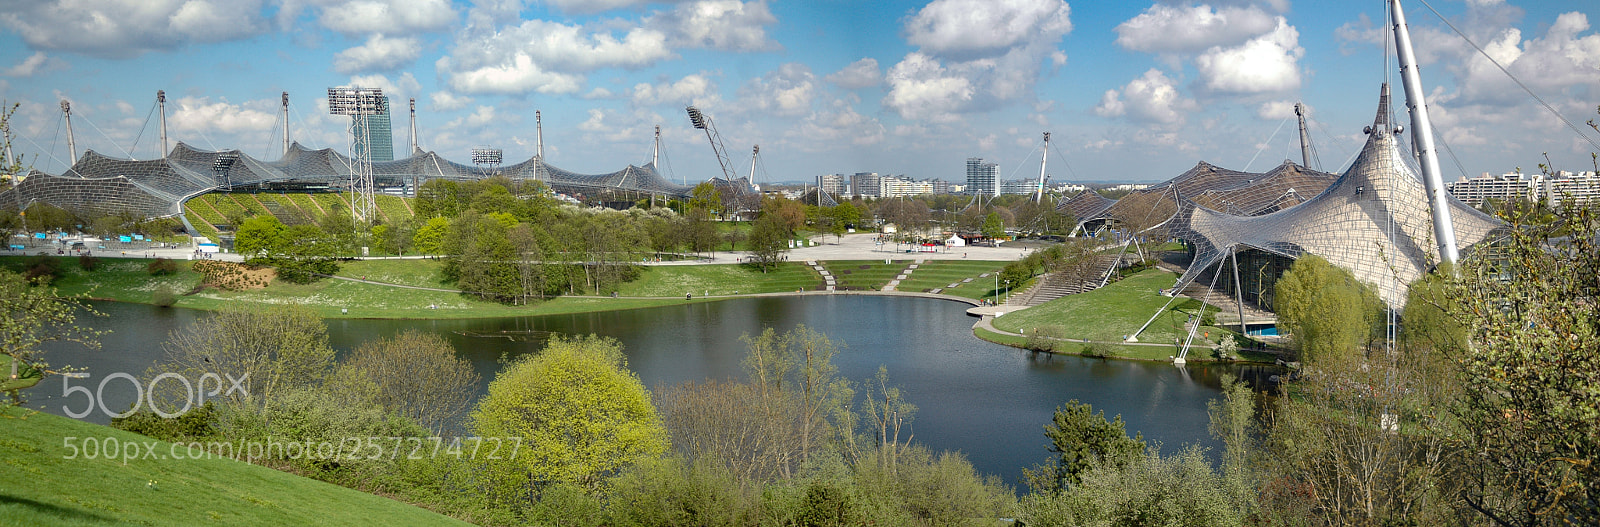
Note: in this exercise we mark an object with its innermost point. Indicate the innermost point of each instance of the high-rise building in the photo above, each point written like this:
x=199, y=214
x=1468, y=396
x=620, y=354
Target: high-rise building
x=379, y=133
x=867, y=184
x=1581, y=187
x=834, y=184
x=982, y=178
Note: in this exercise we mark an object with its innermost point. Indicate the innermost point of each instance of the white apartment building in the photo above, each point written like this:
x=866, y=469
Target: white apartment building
x=1582, y=187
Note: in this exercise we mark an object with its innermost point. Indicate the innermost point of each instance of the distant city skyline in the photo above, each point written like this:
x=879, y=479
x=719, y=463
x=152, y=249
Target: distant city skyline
x=1132, y=92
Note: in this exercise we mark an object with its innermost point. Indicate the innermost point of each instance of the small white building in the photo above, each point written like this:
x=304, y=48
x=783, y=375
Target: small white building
x=955, y=241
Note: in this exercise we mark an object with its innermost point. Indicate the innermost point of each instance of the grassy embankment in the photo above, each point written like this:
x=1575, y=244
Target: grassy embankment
x=40, y=486
x=1108, y=314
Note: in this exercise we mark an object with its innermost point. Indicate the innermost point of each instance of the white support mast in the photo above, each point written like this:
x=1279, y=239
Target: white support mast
x=1305, y=136
x=1422, y=138
x=755, y=153
x=655, y=155
x=285, y=123
x=413, y=127
x=161, y=102
x=1039, y=196
x=538, y=135
x=72, y=144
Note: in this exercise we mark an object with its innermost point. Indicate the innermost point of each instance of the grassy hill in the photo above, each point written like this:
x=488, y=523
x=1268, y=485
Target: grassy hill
x=39, y=486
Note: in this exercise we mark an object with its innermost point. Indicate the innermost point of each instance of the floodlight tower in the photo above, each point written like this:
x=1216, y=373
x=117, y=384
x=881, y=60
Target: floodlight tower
x=161, y=102
x=703, y=122
x=1039, y=196
x=359, y=103
x=72, y=144
x=487, y=160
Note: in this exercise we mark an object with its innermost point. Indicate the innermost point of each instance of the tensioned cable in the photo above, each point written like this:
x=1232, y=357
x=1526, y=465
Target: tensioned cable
x=142, y=128
x=1514, y=78
x=51, y=153
x=1265, y=145
x=108, y=138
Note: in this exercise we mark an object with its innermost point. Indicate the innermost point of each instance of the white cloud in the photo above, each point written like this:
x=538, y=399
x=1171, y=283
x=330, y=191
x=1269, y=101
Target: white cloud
x=921, y=88
x=1277, y=110
x=1171, y=29
x=968, y=29
x=1265, y=64
x=203, y=115
x=401, y=88
x=129, y=28
x=480, y=117
x=28, y=66
x=580, y=7
x=859, y=74
x=830, y=129
x=718, y=24
x=448, y=102
x=696, y=89
x=1150, y=98
x=379, y=53
x=1564, y=57
x=387, y=16
x=517, y=75
x=785, y=92
x=543, y=56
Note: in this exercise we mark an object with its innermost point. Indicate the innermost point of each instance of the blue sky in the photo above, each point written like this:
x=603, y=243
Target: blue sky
x=1130, y=91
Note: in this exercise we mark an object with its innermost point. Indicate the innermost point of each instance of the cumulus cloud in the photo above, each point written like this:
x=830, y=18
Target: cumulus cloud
x=1276, y=110
x=824, y=130
x=387, y=16
x=1171, y=29
x=448, y=102
x=129, y=28
x=859, y=74
x=785, y=92
x=480, y=117
x=379, y=53
x=1151, y=98
x=696, y=89
x=401, y=88
x=974, y=56
x=921, y=88
x=1265, y=64
x=545, y=57
x=718, y=24
x=204, y=115
x=968, y=29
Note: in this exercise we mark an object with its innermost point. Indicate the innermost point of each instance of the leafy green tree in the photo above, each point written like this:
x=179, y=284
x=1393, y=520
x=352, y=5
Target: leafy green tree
x=31, y=316
x=769, y=242
x=993, y=226
x=581, y=414
x=262, y=235
x=430, y=237
x=1145, y=490
x=1530, y=371
x=1330, y=314
x=1082, y=440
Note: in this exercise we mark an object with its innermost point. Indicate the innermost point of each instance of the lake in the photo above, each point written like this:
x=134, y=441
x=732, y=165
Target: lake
x=985, y=400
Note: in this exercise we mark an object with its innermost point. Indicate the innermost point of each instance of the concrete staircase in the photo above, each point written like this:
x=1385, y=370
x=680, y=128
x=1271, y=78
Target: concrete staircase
x=286, y=215
x=1059, y=284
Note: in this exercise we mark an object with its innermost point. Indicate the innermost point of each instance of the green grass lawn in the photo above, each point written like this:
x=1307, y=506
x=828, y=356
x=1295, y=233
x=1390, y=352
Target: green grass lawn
x=865, y=274
x=39, y=485
x=939, y=274
x=1111, y=312
x=675, y=280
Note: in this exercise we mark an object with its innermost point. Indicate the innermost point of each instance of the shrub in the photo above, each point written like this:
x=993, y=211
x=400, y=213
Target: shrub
x=1096, y=350
x=163, y=296
x=162, y=267
x=1045, y=338
x=88, y=263
x=42, y=269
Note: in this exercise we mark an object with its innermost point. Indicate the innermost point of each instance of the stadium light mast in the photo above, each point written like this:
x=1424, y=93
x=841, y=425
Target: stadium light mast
x=285, y=123
x=72, y=143
x=487, y=160
x=1422, y=137
x=359, y=104
x=413, y=127
x=161, y=103
x=1039, y=196
x=703, y=122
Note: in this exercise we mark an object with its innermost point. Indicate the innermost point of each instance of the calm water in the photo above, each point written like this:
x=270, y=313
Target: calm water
x=988, y=401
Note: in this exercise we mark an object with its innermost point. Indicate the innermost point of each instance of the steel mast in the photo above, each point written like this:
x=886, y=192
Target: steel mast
x=161, y=102
x=1422, y=138
x=1039, y=196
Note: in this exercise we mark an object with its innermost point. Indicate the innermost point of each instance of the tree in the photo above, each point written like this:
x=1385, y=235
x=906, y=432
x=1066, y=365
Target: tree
x=31, y=316
x=414, y=374
x=277, y=348
x=429, y=238
x=1082, y=440
x=1529, y=372
x=1329, y=313
x=261, y=235
x=1146, y=490
x=707, y=197
x=769, y=241
x=993, y=226
x=581, y=415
